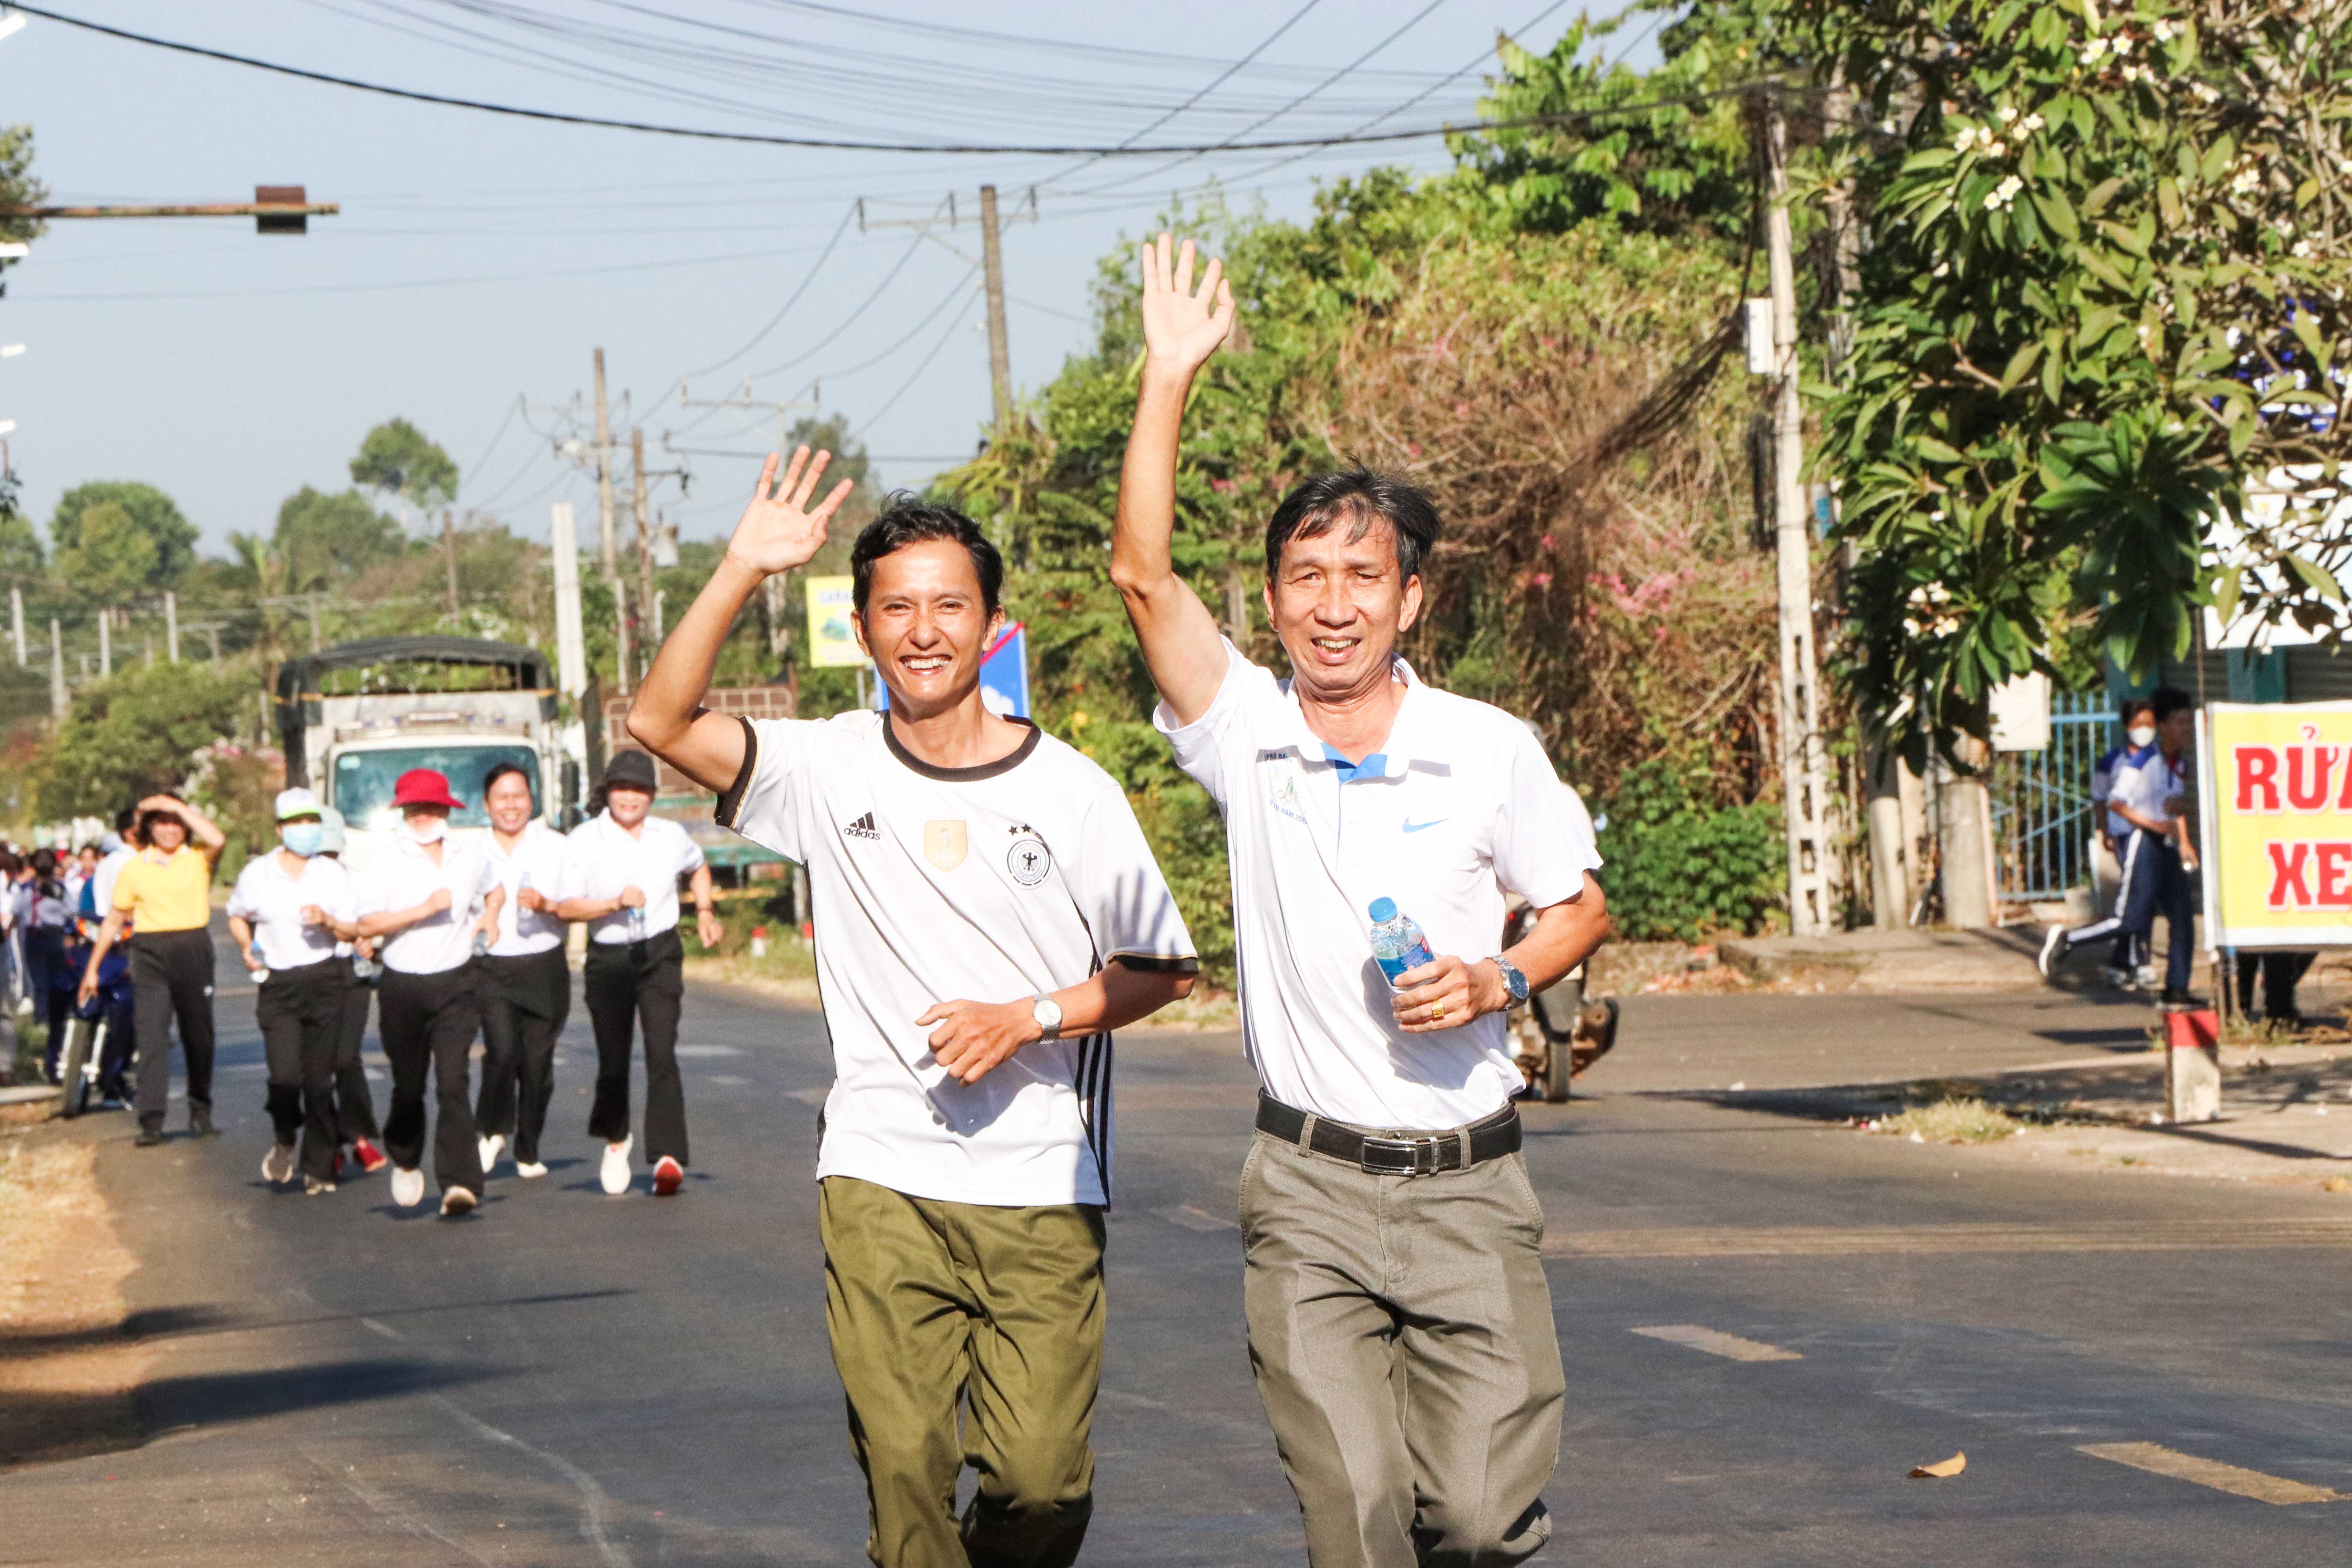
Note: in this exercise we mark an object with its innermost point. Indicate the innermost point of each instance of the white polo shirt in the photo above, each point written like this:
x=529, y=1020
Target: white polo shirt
x=401, y=875
x=537, y=863
x=988, y=884
x=1458, y=805
x=273, y=901
x=601, y=858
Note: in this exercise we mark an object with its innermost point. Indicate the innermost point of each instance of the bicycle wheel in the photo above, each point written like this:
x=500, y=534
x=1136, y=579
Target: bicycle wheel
x=79, y=1048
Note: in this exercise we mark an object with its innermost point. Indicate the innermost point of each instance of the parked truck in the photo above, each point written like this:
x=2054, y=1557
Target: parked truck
x=354, y=718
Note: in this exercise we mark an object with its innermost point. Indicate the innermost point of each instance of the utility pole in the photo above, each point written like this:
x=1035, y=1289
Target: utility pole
x=999, y=353
x=448, y=549
x=645, y=526
x=571, y=660
x=1803, y=777
x=17, y=619
x=171, y=627
x=106, y=643
x=604, y=474
x=773, y=591
x=57, y=670
x=991, y=266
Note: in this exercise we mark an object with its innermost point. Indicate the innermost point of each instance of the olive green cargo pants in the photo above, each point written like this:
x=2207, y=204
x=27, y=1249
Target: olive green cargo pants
x=933, y=1304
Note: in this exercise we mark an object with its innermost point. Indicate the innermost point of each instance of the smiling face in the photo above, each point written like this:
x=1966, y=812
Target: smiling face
x=627, y=805
x=1339, y=604
x=925, y=623
x=508, y=800
x=167, y=833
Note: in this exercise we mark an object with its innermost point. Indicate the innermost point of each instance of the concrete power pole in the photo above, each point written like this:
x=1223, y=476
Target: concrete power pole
x=449, y=551
x=16, y=620
x=571, y=656
x=1000, y=352
x=57, y=670
x=1803, y=777
x=171, y=627
x=106, y=643
x=644, y=535
x=604, y=474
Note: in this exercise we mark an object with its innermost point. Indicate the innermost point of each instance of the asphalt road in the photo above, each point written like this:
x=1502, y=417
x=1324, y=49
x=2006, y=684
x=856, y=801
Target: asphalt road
x=572, y=1379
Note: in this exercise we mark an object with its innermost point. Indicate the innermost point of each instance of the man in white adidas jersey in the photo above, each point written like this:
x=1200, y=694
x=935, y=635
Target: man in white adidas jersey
x=988, y=912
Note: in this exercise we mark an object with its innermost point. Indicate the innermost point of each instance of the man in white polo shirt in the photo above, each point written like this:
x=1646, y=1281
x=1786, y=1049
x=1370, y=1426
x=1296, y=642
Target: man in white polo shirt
x=987, y=913
x=1400, y=1323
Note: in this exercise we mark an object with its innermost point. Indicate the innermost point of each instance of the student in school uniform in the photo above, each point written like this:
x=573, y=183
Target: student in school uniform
x=164, y=893
x=355, y=1123
x=526, y=980
x=287, y=912
x=427, y=895
x=621, y=876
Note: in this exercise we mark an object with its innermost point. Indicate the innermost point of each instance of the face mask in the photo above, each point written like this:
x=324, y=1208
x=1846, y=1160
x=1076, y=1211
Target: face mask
x=2141, y=734
x=428, y=830
x=303, y=838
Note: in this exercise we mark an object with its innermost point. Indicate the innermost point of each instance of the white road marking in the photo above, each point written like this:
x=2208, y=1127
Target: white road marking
x=386, y=1330
x=1713, y=1341
x=1826, y=1241
x=1193, y=1218
x=808, y=1096
x=594, y=1497
x=710, y=1050
x=2160, y=1460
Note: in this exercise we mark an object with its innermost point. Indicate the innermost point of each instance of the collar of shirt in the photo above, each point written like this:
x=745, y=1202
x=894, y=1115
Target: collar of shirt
x=1408, y=739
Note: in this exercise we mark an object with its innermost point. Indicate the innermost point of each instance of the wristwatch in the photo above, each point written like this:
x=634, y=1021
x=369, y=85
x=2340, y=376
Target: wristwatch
x=1512, y=978
x=1048, y=1014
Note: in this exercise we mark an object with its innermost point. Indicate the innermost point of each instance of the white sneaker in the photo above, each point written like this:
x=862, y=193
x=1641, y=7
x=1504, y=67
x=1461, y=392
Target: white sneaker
x=527, y=1169
x=616, y=1166
x=407, y=1187
x=2054, y=948
x=457, y=1201
x=492, y=1147
x=277, y=1165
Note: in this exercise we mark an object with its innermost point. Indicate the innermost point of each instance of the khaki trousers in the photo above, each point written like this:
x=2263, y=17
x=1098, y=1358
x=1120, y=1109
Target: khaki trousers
x=1402, y=1333
x=931, y=1304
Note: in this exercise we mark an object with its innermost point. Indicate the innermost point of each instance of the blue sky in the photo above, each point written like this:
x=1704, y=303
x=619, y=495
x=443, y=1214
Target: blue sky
x=478, y=259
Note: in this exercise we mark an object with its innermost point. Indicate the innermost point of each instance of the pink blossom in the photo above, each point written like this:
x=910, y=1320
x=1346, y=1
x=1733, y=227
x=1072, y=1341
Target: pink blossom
x=1541, y=579
x=1547, y=541
x=1222, y=487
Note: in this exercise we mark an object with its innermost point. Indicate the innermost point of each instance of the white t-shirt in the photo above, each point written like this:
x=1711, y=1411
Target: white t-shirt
x=401, y=875
x=537, y=863
x=1458, y=805
x=987, y=884
x=2149, y=784
x=273, y=901
x=601, y=858
x=101, y=881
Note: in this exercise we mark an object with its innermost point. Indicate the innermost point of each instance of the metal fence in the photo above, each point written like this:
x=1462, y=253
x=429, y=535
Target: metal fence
x=2041, y=817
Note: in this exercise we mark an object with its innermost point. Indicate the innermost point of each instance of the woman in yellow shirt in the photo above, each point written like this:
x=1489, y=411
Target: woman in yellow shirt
x=164, y=895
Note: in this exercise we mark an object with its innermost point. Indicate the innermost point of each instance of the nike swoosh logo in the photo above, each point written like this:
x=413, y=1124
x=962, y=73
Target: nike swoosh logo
x=1412, y=827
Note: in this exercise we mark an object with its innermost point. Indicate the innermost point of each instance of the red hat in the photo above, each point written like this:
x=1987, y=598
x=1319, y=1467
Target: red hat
x=425, y=786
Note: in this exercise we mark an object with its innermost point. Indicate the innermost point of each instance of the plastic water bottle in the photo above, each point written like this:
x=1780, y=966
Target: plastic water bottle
x=1397, y=944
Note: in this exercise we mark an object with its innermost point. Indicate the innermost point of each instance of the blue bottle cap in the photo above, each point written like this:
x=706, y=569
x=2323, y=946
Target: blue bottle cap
x=1382, y=910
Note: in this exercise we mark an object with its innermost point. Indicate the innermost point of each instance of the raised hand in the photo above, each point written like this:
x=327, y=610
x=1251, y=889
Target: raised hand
x=1181, y=325
x=779, y=529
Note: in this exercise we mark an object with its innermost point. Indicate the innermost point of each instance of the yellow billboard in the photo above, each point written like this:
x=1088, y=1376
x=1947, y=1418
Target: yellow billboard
x=2276, y=824
x=831, y=644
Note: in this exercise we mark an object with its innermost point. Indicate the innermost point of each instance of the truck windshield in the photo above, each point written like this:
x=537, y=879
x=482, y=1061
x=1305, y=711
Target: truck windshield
x=363, y=780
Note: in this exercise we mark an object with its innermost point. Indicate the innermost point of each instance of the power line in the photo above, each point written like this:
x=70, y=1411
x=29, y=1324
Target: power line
x=781, y=310
x=1065, y=149
x=892, y=401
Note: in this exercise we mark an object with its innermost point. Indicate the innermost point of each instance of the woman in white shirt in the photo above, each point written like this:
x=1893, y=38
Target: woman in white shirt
x=286, y=911
x=429, y=895
x=526, y=983
x=621, y=876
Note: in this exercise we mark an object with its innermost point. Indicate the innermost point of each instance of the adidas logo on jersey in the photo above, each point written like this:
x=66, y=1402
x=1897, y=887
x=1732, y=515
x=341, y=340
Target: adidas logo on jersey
x=863, y=828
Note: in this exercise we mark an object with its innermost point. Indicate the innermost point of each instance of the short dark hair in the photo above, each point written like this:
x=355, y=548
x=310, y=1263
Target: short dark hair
x=126, y=819
x=1361, y=496
x=501, y=770
x=2131, y=706
x=908, y=521
x=2167, y=701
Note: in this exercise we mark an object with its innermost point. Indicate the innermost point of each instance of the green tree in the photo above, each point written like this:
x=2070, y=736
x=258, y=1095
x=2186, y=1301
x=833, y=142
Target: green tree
x=2105, y=306
x=401, y=461
x=154, y=513
x=17, y=186
x=111, y=557
x=20, y=543
x=136, y=734
x=329, y=538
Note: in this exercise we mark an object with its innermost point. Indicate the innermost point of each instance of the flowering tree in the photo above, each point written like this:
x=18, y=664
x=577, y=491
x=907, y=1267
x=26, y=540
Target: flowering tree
x=2102, y=312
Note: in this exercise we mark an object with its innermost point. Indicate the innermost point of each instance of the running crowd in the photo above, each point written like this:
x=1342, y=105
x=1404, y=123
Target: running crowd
x=449, y=937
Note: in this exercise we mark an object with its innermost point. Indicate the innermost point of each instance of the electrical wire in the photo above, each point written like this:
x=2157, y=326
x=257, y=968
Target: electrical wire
x=704, y=133
x=846, y=322
x=781, y=310
x=961, y=291
x=504, y=425
x=892, y=401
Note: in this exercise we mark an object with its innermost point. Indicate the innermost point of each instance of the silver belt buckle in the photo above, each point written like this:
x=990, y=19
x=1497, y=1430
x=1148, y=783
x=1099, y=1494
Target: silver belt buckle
x=1418, y=1156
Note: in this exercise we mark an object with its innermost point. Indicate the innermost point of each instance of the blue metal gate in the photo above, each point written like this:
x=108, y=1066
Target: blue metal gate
x=2041, y=814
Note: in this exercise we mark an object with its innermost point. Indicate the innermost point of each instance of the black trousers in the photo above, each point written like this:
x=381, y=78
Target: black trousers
x=300, y=1011
x=627, y=982
x=525, y=1000
x=354, y=1101
x=2281, y=973
x=428, y=1023
x=172, y=976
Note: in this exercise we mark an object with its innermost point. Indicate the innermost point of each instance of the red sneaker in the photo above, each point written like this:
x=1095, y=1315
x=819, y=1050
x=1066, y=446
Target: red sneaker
x=370, y=1158
x=668, y=1176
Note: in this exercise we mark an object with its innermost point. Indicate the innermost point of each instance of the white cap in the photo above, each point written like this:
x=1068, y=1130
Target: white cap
x=297, y=802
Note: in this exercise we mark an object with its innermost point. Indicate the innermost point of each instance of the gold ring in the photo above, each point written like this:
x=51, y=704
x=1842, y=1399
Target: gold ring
x=1437, y=1011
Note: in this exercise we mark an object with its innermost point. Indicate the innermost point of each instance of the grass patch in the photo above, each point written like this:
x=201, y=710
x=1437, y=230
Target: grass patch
x=1954, y=1121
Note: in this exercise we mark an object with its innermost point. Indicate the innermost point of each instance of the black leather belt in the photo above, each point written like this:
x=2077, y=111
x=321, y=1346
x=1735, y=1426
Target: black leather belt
x=1419, y=1154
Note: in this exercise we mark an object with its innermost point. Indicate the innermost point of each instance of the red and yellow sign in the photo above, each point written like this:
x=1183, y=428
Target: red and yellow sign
x=2277, y=824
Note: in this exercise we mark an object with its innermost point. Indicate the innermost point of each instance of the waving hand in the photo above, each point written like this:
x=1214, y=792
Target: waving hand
x=779, y=529
x=1182, y=327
